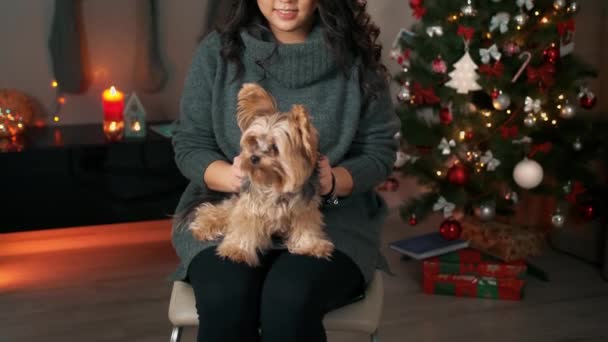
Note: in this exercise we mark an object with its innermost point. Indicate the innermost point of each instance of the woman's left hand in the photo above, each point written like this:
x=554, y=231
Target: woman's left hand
x=324, y=175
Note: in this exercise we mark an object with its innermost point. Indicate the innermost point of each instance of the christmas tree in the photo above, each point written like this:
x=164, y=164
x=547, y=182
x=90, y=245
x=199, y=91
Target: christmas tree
x=492, y=101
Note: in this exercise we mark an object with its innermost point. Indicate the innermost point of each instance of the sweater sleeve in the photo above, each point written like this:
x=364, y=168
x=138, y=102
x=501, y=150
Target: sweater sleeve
x=372, y=153
x=194, y=140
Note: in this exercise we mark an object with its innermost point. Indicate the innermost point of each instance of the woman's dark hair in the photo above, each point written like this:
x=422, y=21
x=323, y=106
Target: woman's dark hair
x=347, y=29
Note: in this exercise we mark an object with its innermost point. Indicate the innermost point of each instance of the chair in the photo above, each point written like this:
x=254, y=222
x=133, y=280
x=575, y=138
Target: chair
x=362, y=316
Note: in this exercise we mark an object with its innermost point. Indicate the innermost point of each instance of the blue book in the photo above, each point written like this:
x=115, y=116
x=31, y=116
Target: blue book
x=427, y=245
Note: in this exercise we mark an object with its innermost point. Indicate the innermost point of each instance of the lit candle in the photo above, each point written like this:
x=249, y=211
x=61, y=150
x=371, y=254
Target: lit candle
x=113, y=104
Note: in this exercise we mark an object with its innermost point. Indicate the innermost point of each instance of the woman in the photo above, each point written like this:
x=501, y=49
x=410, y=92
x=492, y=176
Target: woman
x=320, y=53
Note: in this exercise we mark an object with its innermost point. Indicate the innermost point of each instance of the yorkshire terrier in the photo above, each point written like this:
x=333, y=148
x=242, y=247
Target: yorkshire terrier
x=279, y=195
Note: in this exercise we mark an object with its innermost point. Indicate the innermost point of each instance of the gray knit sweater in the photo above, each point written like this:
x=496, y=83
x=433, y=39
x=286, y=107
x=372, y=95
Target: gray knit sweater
x=356, y=138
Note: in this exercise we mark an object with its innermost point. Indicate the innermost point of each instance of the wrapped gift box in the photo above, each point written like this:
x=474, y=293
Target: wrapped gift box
x=471, y=286
x=472, y=262
x=504, y=241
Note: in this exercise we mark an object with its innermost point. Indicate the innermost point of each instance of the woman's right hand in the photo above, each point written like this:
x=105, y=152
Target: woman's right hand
x=224, y=177
x=236, y=174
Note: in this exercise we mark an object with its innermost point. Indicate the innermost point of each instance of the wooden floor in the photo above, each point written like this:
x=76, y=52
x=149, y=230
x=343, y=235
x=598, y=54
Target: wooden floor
x=109, y=283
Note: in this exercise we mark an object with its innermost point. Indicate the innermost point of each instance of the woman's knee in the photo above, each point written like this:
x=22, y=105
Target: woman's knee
x=289, y=296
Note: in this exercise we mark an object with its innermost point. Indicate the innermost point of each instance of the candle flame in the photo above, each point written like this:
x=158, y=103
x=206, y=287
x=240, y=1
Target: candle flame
x=54, y=84
x=113, y=90
x=112, y=126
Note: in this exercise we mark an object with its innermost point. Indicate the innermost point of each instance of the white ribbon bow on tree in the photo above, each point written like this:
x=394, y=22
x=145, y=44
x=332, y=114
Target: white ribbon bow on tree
x=489, y=53
x=447, y=207
x=434, y=31
x=489, y=160
x=501, y=21
x=528, y=3
x=531, y=105
x=445, y=146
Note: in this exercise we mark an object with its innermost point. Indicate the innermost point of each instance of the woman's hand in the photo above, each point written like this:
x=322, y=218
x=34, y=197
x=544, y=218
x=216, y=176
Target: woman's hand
x=224, y=177
x=236, y=175
x=324, y=175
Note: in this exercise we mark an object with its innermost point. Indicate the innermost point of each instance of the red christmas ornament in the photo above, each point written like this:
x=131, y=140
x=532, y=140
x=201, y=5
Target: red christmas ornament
x=510, y=48
x=469, y=135
x=413, y=220
x=416, y=3
x=438, y=65
x=495, y=93
x=588, y=101
x=587, y=211
x=450, y=229
x=445, y=116
x=458, y=174
x=551, y=54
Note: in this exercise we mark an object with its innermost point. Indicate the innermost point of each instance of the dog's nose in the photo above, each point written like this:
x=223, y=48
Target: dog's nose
x=254, y=159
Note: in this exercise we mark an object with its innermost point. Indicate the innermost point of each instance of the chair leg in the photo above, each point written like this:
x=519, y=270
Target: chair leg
x=176, y=334
x=374, y=336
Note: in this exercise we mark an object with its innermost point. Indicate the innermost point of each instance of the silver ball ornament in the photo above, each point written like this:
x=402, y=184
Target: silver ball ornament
x=559, y=4
x=501, y=102
x=404, y=94
x=558, y=220
x=577, y=145
x=486, y=211
x=530, y=121
x=521, y=19
x=573, y=8
x=567, y=111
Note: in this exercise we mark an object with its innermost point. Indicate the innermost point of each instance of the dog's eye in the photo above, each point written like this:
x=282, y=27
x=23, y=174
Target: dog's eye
x=274, y=149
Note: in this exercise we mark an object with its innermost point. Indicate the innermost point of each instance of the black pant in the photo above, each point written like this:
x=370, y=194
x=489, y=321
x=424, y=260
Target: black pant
x=287, y=296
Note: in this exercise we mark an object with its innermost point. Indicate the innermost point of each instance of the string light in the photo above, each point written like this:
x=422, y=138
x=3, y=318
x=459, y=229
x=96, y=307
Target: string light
x=537, y=13
x=439, y=173
x=59, y=101
x=518, y=27
x=561, y=96
x=489, y=124
x=554, y=122
x=544, y=20
x=508, y=111
x=462, y=135
x=486, y=113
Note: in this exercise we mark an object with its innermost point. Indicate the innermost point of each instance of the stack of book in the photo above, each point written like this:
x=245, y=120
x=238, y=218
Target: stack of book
x=452, y=268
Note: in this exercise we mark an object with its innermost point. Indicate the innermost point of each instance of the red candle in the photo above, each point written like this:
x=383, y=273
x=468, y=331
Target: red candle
x=113, y=104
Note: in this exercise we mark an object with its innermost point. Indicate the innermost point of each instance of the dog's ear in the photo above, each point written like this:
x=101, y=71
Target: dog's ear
x=310, y=137
x=253, y=102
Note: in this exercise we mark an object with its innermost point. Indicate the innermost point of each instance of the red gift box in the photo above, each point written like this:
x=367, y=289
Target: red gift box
x=472, y=262
x=471, y=286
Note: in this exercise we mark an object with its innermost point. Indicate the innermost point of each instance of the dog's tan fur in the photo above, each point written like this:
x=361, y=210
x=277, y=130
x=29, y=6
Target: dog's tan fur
x=272, y=201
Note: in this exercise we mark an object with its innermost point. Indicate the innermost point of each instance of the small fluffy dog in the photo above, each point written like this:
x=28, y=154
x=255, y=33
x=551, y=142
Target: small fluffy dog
x=280, y=192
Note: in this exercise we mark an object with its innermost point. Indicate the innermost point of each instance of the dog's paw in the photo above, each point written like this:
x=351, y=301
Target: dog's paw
x=237, y=254
x=321, y=249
